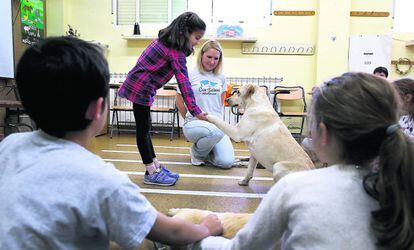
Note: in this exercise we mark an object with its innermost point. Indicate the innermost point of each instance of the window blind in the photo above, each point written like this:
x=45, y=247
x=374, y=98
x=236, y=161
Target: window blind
x=153, y=11
x=222, y=11
x=126, y=12
x=178, y=7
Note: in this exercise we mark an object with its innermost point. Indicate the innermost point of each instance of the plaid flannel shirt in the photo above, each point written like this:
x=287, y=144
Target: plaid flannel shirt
x=154, y=68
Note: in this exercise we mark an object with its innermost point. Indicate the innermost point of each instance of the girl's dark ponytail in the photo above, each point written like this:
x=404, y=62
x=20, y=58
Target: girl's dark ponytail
x=393, y=222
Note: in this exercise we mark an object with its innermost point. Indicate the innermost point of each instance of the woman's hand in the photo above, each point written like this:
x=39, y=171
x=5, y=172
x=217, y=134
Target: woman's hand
x=213, y=223
x=202, y=116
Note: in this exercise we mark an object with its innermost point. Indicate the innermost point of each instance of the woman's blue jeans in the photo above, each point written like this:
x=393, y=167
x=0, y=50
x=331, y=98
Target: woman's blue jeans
x=210, y=144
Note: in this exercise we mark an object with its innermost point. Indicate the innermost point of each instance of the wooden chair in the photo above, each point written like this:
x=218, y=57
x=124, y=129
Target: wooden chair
x=295, y=97
x=164, y=108
x=166, y=112
x=12, y=121
x=119, y=106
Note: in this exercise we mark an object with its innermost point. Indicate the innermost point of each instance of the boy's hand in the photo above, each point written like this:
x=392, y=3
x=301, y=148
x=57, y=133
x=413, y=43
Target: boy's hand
x=213, y=223
x=202, y=116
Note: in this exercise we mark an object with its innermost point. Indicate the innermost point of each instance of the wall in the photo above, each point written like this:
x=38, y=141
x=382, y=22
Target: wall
x=93, y=20
x=55, y=15
x=399, y=50
x=123, y=54
x=383, y=26
x=19, y=48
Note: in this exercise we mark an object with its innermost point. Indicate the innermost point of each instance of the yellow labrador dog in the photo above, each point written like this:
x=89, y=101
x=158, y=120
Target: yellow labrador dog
x=269, y=141
x=232, y=222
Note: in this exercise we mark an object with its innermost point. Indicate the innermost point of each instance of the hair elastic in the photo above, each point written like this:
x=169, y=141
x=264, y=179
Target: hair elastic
x=392, y=128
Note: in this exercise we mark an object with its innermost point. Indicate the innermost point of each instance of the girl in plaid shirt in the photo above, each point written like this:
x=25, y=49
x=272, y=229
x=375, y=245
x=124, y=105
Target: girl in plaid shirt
x=163, y=58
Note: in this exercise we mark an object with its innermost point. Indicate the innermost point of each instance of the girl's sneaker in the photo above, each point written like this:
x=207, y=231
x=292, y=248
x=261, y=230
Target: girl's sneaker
x=169, y=173
x=160, y=178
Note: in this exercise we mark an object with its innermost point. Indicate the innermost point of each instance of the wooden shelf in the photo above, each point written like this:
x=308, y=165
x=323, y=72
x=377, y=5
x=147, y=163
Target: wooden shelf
x=138, y=37
x=294, y=13
x=410, y=44
x=220, y=39
x=369, y=14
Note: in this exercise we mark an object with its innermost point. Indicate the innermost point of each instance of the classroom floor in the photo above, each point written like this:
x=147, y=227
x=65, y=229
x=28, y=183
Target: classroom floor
x=202, y=187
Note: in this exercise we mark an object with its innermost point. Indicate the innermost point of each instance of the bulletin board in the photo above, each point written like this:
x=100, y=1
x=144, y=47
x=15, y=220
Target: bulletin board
x=32, y=16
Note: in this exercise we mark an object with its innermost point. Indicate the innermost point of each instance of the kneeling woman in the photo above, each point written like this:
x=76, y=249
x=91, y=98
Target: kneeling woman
x=210, y=144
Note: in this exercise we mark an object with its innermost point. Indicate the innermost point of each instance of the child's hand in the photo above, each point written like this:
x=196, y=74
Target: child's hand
x=213, y=223
x=202, y=116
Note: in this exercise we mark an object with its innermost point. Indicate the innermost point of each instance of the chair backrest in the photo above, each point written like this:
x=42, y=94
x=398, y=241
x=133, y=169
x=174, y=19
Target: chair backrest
x=166, y=93
x=288, y=93
x=165, y=100
x=265, y=89
x=117, y=101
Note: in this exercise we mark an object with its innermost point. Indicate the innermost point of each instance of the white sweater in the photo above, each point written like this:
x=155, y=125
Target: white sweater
x=318, y=209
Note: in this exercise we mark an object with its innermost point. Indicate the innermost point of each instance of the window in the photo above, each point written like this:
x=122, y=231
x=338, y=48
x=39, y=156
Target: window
x=403, y=16
x=249, y=12
x=147, y=11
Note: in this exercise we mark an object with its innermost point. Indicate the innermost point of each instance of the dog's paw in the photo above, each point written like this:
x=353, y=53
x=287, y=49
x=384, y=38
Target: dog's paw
x=212, y=118
x=173, y=211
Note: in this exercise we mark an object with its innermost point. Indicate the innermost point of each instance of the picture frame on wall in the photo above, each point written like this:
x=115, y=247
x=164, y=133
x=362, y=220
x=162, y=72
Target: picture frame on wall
x=32, y=16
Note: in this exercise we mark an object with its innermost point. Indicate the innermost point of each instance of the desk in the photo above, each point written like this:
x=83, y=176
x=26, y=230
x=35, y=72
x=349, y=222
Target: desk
x=11, y=104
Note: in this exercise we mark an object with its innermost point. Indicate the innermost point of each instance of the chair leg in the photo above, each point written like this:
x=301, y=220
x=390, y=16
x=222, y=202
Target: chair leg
x=178, y=124
x=112, y=124
x=117, y=123
x=301, y=129
x=172, y=126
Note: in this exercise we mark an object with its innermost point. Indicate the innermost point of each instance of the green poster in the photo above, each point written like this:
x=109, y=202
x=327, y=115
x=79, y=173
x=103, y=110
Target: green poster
x=33, y=21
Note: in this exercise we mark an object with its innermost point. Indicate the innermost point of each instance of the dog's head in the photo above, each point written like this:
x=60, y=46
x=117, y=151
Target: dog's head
x=241, y=97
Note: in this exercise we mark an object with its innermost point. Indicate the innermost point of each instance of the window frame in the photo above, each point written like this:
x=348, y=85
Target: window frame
x=212, y=20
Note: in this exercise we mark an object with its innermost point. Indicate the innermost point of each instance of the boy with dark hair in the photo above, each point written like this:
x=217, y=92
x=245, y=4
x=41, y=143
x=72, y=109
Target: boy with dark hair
x=381, y=72
x=54, y=193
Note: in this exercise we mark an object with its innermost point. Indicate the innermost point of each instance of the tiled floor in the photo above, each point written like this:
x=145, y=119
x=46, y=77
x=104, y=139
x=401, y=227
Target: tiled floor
x=203, y=187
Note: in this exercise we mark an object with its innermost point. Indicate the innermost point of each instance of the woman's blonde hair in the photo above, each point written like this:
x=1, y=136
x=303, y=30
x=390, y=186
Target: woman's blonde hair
x=210, y=44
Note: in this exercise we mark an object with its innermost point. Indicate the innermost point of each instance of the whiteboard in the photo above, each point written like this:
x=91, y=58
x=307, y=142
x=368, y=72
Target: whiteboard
x=369, y=52
x=6, y=41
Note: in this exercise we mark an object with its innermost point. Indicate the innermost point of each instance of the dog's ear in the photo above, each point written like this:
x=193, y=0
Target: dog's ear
x=250, y=90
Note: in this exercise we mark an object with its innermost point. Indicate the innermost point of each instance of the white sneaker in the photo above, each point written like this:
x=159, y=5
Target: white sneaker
x=194, y=160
